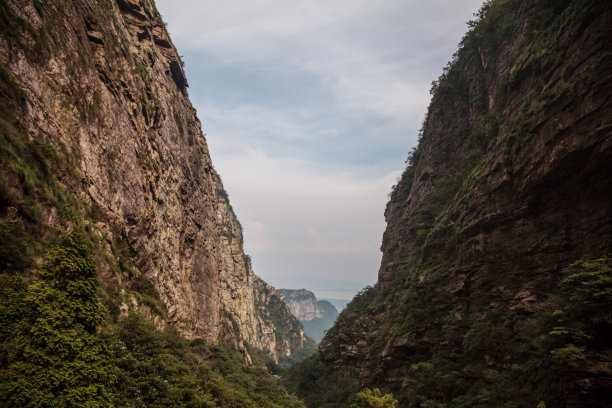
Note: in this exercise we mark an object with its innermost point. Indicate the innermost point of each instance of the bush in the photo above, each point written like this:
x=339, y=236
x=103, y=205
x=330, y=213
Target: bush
x=368, y=398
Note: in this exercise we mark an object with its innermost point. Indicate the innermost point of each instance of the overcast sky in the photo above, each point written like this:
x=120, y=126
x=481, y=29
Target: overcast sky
x=309, y=108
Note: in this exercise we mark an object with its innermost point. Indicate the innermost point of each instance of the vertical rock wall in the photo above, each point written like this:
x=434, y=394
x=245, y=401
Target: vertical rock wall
x=104, y=86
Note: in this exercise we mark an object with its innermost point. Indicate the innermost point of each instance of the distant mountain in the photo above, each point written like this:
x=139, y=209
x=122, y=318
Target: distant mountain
x=340, y=304
x=316, y=315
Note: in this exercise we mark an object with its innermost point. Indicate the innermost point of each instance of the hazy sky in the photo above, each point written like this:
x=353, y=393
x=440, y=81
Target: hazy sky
x=310, y=108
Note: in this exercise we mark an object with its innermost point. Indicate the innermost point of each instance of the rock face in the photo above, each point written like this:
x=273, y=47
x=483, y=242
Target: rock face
x=100, y=84
x=316, y=315
x=509, y=186
x=302, y=303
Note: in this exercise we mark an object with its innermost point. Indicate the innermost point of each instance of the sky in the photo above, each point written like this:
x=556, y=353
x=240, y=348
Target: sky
x=310, y=108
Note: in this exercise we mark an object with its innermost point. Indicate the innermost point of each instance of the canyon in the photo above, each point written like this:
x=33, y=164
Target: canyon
x=494, y=285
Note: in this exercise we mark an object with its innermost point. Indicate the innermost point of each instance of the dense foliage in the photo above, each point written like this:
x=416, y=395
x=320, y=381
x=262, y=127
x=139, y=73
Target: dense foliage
x=165, y=370
x=578, y=318
x=57, y=356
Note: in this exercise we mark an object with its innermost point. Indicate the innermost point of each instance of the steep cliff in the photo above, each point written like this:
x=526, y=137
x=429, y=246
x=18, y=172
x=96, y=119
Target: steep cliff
x=494, y=286
x=98, y=133
x=317, y=316
x=302, y=303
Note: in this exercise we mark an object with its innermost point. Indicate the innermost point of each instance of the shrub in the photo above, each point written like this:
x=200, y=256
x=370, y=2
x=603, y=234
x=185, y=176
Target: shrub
x=368, y=398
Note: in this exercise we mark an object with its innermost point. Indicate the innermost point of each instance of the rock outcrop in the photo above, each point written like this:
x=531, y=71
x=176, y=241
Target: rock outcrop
x=99, y=85
x=302, y=303
x=317, y=316
x=505, y=204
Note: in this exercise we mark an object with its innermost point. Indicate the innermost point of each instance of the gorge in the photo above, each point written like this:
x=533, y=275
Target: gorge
x=123, y=278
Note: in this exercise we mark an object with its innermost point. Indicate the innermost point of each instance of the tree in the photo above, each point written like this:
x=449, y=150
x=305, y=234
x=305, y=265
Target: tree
x=368, y=398
x=60, y=358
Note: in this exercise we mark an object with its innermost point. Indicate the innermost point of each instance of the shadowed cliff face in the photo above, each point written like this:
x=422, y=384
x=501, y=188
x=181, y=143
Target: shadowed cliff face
x=101, y=85
x=510, y=184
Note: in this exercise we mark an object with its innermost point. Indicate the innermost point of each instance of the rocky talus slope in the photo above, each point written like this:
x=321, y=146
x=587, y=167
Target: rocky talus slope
x=317, y=316
x=99, y=133
x=494, y=285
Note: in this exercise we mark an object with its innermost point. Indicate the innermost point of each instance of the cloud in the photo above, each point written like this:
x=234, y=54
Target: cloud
x=375, y=45
x=322, y=229
x=334, y=138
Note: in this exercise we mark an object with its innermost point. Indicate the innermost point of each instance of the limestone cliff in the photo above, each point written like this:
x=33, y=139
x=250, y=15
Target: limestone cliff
x=317, y=316
x=498, y=237
x=302, y=303
x=97, y=89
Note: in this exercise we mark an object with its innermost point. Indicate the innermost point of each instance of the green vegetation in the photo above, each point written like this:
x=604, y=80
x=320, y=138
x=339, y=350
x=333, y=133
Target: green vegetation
x=368, y=398
x=51, y=332
x=581, y=315
x=323, y=386
x=59, y=349
x=164, y=369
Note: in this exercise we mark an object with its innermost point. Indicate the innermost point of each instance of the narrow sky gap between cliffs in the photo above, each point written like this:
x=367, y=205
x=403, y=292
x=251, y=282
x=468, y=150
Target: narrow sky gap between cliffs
x=310, y=109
